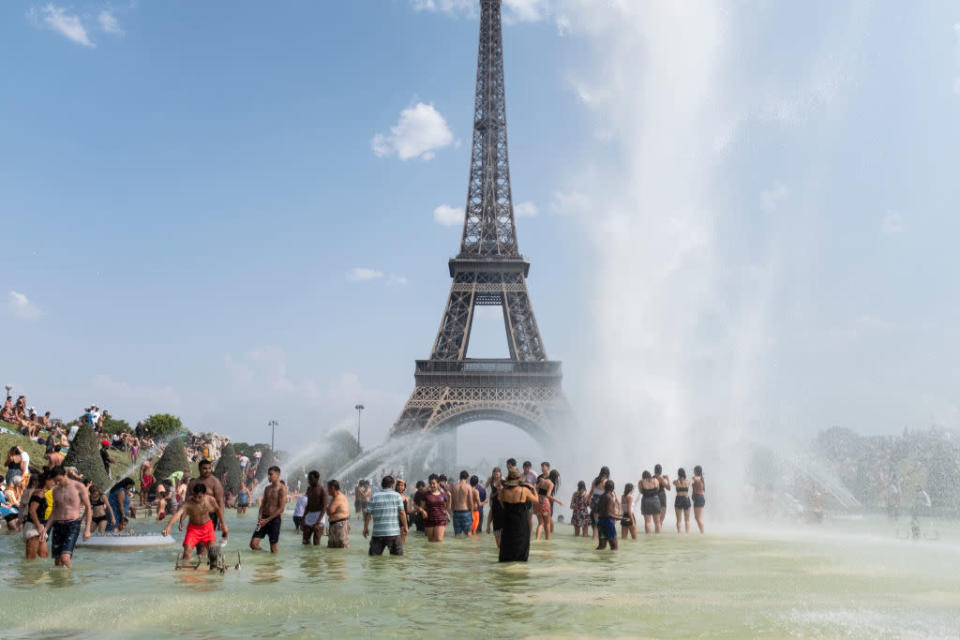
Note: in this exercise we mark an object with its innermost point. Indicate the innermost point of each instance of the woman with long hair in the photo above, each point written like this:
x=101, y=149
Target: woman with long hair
x=102, y=513
x=628, y=522
x=682, y=502
x=580, y=506
x=434, y=510
x=699, y=500
x=650, y=502
x=544, y=509
x=664, y=481
x=36, y=516
x=596, y=491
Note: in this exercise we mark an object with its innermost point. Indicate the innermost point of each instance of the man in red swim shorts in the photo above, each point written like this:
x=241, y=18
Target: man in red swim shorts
x=200, y=531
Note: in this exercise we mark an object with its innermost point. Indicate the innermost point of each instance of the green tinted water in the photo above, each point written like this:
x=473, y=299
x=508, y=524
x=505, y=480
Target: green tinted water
x=843, y=580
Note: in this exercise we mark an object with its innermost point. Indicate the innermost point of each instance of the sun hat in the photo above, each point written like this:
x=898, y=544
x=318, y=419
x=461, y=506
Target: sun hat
x=514, y=478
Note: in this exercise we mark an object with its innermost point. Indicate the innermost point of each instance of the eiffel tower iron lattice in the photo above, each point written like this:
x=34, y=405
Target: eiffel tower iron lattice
x=524, y=389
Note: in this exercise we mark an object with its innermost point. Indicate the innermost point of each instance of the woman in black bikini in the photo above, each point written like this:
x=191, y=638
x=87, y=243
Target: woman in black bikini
x=664, y=481
x=628, y=523
x=699, y=501
x=682, y=502
x=102, y=513
x=650, y=502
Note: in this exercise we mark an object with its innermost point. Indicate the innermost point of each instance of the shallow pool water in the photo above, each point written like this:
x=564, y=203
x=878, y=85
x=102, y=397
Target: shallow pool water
x=842, y=579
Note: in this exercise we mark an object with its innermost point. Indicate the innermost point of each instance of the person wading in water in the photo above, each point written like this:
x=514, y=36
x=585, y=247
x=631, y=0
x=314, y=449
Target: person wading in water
x=271, y=511
x=516, y=499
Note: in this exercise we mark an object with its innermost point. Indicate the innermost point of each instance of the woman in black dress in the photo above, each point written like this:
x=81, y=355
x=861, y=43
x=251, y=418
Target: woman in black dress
x=516, y=501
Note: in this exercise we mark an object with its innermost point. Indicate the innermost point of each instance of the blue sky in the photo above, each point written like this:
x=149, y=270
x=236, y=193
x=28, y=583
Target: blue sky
x=739, y=215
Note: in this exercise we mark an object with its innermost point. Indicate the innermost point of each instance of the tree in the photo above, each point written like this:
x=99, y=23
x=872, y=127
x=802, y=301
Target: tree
x=174, y=459
x=84, y=454
x=228, y=470
x=163, y=425
x=113, y=425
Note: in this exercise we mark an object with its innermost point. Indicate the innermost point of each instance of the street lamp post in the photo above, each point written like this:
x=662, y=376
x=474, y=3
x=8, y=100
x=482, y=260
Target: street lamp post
x=359, y=408
x=273, y=427
x=8, y=387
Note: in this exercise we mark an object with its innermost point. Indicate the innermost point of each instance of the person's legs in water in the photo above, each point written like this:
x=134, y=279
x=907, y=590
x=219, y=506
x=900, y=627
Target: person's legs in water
x=679, y=517
x=647, y=522
x=63, y=540
x=698, y=516
x=686, y=518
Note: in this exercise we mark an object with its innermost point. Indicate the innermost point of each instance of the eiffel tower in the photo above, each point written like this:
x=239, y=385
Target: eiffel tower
x=451, y=389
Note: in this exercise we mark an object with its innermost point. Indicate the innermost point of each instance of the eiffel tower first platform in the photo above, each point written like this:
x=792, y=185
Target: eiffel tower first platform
x=451, y=389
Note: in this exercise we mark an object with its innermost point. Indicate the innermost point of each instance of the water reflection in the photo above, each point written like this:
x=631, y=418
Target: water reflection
x=267, y=573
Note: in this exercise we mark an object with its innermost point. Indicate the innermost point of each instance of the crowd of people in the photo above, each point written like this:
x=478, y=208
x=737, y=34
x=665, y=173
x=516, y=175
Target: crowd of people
x=58, y=504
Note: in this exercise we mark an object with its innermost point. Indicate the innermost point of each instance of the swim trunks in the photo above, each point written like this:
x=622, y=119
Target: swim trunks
x=699, y=500
x=462, y=521
x=311, y=518
x=200, y=534
x=379, y=543
x=338, y=534
x=271, y=530
x=64, y=537
x=606, y=528
x=475, y=521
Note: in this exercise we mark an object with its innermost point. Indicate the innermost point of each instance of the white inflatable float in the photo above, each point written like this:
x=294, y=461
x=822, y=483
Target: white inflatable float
x=127, y=541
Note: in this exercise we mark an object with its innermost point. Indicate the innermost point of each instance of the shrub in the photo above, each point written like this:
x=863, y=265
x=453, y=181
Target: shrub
x=228, y=470
x=174, y=459
x=113, y=425
x=84, y=454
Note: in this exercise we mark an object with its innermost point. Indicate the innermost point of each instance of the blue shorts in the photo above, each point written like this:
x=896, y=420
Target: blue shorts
x=462, y=522
x=606, y=528
x=699, y=500
x=64, y=536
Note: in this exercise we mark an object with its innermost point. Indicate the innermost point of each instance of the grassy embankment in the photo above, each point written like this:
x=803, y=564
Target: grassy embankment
x=121, y=460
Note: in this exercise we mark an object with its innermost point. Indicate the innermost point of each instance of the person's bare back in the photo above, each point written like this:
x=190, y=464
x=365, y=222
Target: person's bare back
x=462, y=496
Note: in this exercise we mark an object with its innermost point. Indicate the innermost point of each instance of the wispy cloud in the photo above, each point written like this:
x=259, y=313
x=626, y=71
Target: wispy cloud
x=452, y=7
x=448, y=216
x=570, y=203
x=893, y=224
x=66, y=24
x=155, y=397
x=108, y=22
x=525, y=209
x=419, y=132
x=21, y=306
x=361, y=274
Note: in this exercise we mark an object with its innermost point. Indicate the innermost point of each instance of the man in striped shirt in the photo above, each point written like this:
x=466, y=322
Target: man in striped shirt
x=389, y=520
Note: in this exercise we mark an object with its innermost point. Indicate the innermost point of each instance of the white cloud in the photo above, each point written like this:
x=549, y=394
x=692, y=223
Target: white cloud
x=418, y=133
x=22, y=307
x=525, y=209
x=359, y=274
x=448, y=216
x=893, y=224
x=452, y=7
x=109, y=23
x=770, y=199
x=525, y=10
x=397, y=280
x=67, y=25
x=570, y=203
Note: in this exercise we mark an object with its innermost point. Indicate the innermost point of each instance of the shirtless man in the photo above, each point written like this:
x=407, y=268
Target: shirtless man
x=271, y=511
x=312, y=526
x=54, y=457
x=465, y=500
x=214, y=489
x=338, y=515
x=200, y=530
x=64, y=523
